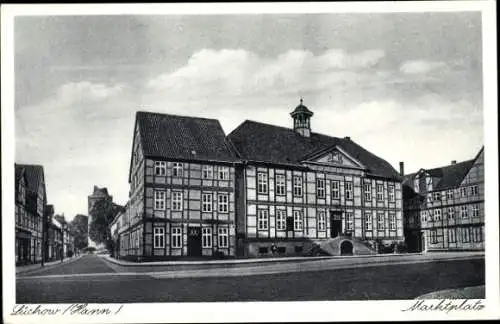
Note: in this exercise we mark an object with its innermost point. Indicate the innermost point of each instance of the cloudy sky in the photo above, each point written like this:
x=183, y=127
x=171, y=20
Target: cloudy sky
x=406, y=86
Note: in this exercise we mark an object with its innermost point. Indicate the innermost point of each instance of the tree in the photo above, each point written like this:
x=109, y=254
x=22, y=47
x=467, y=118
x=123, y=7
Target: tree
x=78, y=228
x=102, y=214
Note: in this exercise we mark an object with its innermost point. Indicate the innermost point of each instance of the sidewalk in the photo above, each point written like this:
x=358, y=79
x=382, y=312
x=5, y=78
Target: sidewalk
x=252, y=261
x=476, y=292
x=47, y=265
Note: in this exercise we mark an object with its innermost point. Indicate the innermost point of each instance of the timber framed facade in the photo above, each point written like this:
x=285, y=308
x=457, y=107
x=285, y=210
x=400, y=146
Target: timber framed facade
x=263, y=190
x=30, y=202
x=444, y=207
x=182, y=203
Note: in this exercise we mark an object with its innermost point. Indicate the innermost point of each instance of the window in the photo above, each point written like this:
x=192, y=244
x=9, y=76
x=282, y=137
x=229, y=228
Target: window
x=160, y=168
x=474, y=191
x=392, y=196
x=434, y=238
x=423, y=215
x=297, y=220
x=368, y=221
x=463, y=192
x=159, y=200
x=349, y=221
x=380, y=221
x=159, y=237
x=297, y=186
x=280, y=185
x=176, y=200
x=223, y=200
x=475, y=211
x=465, y=235
x=477, y=234
x=223, y=237
x=177, y=169
x=452, y=238
x=429, y=198
x=392, y=221
x=281, y=219
x=207, y=172
x=348, y=190
x=320, y=188
x=436, y=196
x=463, y=211
x=449, y=194
x=206, y=202
x=335, y=189
x=206, y=237
x=367, y=186
x=262, y=183
x=437, y=214
x=223, y=173
x=321, y=221
x=380, y=192
x=263, y=219
x=176, y=237
x=451, y=212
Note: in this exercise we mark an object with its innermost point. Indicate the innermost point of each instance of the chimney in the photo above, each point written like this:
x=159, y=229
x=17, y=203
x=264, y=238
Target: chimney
x=402, y=168
x=347, y=138
x=454, y=162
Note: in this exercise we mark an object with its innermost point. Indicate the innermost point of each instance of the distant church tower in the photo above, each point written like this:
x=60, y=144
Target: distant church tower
x=302, y=119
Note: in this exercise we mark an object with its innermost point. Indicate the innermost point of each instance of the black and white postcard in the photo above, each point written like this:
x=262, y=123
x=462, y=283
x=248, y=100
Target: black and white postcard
x=277, y=162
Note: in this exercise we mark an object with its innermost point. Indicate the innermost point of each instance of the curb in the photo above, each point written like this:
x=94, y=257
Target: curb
x=263, y=261
x=47, y=266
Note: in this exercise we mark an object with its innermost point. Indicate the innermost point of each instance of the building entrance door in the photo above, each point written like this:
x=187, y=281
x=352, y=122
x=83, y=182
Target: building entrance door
x=335, y=223
x=194, y=241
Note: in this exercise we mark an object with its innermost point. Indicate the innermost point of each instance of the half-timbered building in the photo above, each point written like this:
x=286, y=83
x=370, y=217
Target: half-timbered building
x=30, y=201
x=299, y=190
x=444, y=207
x=182, y=190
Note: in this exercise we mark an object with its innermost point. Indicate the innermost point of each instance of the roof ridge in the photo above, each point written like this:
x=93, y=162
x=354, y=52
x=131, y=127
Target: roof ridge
x=174, y=115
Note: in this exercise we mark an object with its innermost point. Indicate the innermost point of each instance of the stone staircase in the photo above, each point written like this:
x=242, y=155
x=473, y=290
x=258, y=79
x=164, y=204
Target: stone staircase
x=332, y=246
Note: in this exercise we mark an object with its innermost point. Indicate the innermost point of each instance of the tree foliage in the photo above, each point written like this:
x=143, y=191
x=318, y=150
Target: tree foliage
x=78, y=228
x=102, y=214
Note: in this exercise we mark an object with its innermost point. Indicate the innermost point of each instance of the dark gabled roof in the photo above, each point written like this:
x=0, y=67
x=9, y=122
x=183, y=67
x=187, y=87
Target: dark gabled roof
x=34, y=175
x=273, y=144
x=184, y=138
x=450, y=176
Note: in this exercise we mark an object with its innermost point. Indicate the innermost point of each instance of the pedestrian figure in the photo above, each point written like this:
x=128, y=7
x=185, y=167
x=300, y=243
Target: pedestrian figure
x=273, y=249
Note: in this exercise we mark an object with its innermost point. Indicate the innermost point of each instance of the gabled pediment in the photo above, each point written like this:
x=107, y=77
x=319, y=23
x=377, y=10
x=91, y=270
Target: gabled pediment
x=336, y=156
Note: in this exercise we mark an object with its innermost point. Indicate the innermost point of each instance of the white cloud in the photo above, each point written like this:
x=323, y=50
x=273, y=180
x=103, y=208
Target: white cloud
x=239, y=72
x=420, y=66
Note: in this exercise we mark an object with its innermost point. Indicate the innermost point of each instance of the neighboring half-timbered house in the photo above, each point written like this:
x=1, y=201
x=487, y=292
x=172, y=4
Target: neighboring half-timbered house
x=300, y=189
x=444, y=207
x=182, y=190
x=30, y=205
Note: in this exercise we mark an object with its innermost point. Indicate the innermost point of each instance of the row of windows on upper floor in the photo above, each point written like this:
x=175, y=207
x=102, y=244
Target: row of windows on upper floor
x=28, y=220
x=462, y=192
x=280, y=188
x=296, y=222
x=176, y=200
x=160, y=169
x=436, y=214
x=207, y=172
